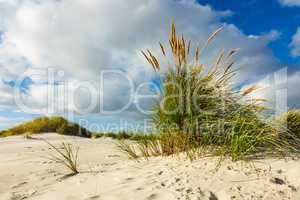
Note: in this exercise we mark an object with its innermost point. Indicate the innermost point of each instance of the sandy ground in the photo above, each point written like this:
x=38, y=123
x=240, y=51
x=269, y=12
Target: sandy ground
x=107, y=174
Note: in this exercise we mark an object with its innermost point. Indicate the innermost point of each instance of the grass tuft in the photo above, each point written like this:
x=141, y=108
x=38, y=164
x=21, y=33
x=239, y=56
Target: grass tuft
x=65, y=154
x=128, y=149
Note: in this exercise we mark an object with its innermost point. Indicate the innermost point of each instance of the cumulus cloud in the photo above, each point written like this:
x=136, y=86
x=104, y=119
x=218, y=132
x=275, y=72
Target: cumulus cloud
x=84, y=38
x=6, y=94
x=295, y=44
x=106, y=34
x=290, y=2
x=280, y=89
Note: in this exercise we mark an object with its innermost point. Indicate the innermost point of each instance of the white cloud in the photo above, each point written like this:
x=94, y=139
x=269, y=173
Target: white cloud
x=290, y=2
x=84, y=38
x=49, y=34
x=295, y=44
x=280, y=89
x=5, y=94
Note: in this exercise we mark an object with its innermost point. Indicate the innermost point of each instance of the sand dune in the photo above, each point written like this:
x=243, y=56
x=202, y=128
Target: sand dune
x=109, y=175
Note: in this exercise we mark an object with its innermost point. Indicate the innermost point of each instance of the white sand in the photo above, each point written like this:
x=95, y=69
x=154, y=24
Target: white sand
x=107, y=174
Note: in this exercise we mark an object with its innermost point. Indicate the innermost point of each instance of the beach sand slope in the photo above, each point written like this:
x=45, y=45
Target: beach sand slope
x=107, y=174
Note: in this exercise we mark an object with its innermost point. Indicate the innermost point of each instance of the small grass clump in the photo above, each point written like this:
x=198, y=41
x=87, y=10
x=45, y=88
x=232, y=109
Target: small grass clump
x=128, y=149
x=141, y=148
x=65, y=154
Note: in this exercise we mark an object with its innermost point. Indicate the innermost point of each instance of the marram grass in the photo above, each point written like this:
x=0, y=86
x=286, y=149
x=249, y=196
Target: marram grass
x=66, y=154
x=210, y=117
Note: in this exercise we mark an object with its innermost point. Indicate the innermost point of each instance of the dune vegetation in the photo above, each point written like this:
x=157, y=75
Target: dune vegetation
x=200, y=112
x=123, y=135
x=47, y=125
x=207, y=114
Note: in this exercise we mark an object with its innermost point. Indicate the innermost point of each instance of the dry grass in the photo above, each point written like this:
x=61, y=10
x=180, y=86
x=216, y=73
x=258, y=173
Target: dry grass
x=128, y=149
x=65, y=154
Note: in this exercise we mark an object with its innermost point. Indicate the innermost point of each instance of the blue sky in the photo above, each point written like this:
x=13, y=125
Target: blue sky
x=259, y=16
x=43, y=37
